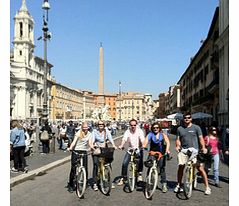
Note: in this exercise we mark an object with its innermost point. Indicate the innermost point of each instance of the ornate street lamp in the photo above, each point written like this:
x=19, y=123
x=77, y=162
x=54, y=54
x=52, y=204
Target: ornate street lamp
x=46, y=36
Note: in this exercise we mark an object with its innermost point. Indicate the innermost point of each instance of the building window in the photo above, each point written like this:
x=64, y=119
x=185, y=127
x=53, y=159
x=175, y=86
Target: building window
x=21, y=29
x=20, y=52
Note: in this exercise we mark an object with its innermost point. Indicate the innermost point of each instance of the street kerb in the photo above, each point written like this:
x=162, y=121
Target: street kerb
x=41, y=171
x=37, y=172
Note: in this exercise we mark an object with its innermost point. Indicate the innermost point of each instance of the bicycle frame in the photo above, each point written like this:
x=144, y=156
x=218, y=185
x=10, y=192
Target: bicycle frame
x=104, y=169
x=189, y=178
x=80, y=170
x=133, y=169
x=152, y=175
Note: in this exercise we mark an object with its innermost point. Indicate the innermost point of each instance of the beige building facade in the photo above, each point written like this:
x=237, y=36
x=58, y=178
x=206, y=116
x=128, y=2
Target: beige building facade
x=223, y=47
x=134, y=105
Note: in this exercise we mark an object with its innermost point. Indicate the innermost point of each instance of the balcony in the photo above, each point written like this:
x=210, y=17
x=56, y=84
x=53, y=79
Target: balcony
x=214, y=85
x=203, y=99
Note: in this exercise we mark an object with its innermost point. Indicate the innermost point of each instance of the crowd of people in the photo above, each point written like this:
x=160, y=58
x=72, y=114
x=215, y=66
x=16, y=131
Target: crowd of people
x=87, y=137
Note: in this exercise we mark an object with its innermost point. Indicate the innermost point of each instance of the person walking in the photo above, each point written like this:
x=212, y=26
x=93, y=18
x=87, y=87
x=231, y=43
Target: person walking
x=70, y=132
x=189, y=136
x=159, y=142
x=62, y=137
x=134, y=136
x=212, y=141
x=17, y=140
x=80, y=144
x=100, y=136
x=46, y=129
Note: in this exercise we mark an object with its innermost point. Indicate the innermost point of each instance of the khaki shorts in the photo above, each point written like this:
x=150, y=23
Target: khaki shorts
x=183, y=158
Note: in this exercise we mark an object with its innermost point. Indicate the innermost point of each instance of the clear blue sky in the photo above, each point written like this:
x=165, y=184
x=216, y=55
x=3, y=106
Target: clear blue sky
x=147, y=43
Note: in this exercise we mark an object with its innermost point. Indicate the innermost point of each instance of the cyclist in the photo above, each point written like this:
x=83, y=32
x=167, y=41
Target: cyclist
x=188, y=138
x=159, y=142
x=134, y=136
x=100, y=136
x=79, y=144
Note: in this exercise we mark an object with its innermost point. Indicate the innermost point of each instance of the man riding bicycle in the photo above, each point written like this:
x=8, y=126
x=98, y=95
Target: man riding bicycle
x=188, y=138
x=134, y=136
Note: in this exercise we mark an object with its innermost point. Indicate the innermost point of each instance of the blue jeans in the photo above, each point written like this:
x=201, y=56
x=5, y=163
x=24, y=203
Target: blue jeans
x=216, y=159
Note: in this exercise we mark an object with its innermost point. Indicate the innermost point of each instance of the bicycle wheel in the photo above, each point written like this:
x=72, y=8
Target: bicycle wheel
x=105, y=180
x=131, y=177
x=151, y=183
x=188, y=184
x=80, y=181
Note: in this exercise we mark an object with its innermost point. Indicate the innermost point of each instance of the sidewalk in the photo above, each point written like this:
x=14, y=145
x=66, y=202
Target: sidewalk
x=39, y=164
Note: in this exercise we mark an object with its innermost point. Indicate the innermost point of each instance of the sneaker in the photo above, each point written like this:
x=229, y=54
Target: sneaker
x=164, y=188
x=25, y=170
x=208, y=191
x=121, y=182
x=13, y=170
x=140, y=178
x=178, y=189
x=95, y=187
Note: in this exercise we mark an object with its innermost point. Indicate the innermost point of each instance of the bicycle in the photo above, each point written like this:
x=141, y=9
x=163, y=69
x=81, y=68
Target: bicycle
x=104, y=169
x=189, y=180
x=132, y=170
x=80, y=175
x=152, y=174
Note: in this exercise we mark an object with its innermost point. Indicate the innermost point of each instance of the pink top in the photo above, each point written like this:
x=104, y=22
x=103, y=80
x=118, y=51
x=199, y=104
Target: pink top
x=134, y=138
x=213, y=142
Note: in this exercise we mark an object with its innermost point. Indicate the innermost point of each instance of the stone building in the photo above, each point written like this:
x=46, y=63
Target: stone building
x=199, y=84
x=27, y=70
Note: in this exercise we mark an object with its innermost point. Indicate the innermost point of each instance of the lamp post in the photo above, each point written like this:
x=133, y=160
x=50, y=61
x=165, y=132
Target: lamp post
x=46, y=36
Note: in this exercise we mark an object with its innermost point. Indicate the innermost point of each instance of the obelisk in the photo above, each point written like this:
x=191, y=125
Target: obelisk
x=101, y=72
x=101, y=99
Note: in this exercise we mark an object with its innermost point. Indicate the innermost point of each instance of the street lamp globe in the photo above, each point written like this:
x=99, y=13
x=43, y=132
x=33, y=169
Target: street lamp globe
x=46, y=5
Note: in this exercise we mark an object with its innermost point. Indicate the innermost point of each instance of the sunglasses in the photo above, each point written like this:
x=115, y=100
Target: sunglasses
x=187, y=117
x=133, y=125
x=155, y=127
x=101, y=124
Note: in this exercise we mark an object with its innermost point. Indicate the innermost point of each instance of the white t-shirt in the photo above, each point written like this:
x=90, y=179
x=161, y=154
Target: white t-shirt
x=134, y=138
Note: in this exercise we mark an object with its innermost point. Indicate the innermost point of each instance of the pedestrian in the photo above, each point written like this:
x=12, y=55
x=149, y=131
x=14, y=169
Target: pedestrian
x=70, y=132
x=188, y=138
x=62, y=137
x=45, y=137
x=80, y=144
x=100, y=136
x=212, y=141
x=159, y=142
x=17, y=140
x=134, y=136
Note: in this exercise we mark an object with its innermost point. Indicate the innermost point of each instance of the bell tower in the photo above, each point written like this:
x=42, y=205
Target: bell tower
x=23, y=43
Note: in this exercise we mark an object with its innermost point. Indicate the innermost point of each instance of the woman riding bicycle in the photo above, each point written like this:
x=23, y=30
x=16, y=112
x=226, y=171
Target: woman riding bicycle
x=99, y=136
x=80, y=145
x=159, y=142
x=135, y=137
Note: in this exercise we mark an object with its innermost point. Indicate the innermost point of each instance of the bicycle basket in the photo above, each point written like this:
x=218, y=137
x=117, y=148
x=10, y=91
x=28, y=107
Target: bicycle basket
x=107, y=153
x=149, y=161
